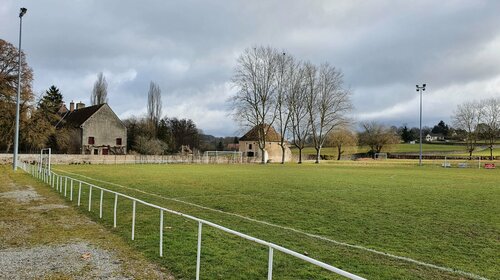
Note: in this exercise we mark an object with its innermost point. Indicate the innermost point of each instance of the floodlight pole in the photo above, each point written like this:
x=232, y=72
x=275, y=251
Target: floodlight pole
x=420, y=89
x=18, y=98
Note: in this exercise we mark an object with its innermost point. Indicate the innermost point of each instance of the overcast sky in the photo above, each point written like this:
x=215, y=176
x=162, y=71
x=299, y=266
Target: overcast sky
x=190, y=48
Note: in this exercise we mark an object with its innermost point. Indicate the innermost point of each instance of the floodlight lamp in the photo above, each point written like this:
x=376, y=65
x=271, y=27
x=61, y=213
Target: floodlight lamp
x=22, y=12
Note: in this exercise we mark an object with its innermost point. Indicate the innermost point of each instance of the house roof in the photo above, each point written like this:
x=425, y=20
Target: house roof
x=253, y=134
x=79, y=116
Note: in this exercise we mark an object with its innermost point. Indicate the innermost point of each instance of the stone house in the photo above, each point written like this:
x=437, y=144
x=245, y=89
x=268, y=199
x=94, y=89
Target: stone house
x=248, y=145
x=95, y=130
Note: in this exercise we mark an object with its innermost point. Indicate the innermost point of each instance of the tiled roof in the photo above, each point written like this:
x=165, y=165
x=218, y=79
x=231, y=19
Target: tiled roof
x=78, y=117
x=253, y=134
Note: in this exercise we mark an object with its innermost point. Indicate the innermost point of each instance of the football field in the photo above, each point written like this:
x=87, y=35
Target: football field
x=379, y=221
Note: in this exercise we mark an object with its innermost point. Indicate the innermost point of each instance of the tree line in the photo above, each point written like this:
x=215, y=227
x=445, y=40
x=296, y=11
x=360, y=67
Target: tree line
x=474, y=123
x=300, y=99
x=40, y=116
x=307, y=104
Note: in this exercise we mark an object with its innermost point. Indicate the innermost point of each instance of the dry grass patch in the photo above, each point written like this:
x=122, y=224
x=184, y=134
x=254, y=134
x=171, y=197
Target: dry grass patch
x=42, y=238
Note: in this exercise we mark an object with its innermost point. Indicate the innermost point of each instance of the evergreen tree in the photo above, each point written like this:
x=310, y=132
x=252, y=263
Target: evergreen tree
x=406, y=135
x=220, y=146
x=50, y=103
x=441, y=128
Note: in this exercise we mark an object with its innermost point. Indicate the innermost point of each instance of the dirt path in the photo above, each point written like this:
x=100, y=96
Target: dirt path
x=42, y=238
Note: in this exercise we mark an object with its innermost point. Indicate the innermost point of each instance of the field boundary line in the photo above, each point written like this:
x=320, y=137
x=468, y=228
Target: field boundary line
x=340, y=243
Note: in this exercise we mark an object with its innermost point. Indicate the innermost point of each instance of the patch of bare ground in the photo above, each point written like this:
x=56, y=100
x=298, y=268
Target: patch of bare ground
x=42, y=238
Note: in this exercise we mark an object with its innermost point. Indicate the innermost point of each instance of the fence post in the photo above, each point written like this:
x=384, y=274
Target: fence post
x=198, y=254
x=61, y=183
x=114, y=210
x=133, y=219
x=270, y=265
x=65, y=185
x=57, y=183
x=90, y=197
x=79, y=192
x=161, y=233
x=71, y=190
x=100, y=205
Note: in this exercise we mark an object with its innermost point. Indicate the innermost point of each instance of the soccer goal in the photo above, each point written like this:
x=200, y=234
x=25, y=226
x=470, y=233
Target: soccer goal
x=45, y=157
x=222, y=157
x=380, y=156
x=473, y=162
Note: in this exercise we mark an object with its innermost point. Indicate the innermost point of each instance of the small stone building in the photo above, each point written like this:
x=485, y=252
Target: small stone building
x=96, y=130
x=249, y=146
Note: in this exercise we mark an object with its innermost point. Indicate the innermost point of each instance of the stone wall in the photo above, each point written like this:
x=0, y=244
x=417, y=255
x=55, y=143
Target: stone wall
x=127, y=159
x=102, y=159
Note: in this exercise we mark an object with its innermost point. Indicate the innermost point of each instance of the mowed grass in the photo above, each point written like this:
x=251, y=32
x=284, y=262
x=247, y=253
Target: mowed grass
x=444, y=217
x=433, y=149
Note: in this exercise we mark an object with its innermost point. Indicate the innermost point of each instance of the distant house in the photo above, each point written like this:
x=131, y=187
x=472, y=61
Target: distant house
x=434, y=137
x=248, y=145
x=96, y=130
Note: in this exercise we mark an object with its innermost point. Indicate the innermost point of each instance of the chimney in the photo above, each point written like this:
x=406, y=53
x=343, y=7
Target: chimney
x=71, y=106
x=80, y=105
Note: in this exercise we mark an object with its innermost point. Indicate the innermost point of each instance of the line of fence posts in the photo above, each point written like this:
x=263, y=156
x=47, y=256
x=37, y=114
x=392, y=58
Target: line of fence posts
x=55, y=181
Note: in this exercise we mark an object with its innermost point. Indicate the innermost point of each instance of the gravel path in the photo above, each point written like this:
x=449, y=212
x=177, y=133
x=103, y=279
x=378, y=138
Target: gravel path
x=81, y=260
x=42, y=238
x=24, y=195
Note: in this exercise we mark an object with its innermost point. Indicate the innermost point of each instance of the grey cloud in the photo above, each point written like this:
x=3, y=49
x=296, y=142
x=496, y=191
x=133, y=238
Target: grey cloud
x=190, y=47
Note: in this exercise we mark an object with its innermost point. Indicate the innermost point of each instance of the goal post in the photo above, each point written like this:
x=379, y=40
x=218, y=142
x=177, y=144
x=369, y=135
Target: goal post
x=472, y=162
x=222, y=157
x=45, y=160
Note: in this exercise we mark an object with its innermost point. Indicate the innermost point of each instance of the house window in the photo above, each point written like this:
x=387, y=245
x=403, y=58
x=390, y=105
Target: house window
x=96, y=151
x=118, y=141
x=91, y=141
x=249, y=146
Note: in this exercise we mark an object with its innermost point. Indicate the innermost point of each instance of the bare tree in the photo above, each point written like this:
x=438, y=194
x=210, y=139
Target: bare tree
x=491, y=119
x=377, y=136
x=100, y=91
x=154, y=107
x=254, y=102
x=467, y=117
x=327, y=103
x=297, y=103
x=342, y=139
x=284, y=76
x=9, y=68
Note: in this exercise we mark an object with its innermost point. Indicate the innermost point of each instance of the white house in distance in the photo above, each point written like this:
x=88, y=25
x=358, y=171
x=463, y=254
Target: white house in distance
x=248, y=145
x=434, y=137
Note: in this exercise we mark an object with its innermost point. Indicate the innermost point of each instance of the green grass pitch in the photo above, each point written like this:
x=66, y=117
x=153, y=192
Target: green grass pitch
x=444, y=217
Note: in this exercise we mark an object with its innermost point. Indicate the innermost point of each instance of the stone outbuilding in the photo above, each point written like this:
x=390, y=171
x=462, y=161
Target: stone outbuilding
x=95, y=130
x=249, y=146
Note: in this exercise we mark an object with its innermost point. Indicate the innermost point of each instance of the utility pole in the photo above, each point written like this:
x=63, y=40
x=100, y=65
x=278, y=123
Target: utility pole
x=420, y=89
x=16, y=135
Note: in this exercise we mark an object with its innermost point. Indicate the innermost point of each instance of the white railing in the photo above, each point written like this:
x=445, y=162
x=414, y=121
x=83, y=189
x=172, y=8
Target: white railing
x=60, y=184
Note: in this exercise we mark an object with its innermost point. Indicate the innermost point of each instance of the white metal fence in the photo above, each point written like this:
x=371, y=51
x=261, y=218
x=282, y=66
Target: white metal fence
x=66, y=186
